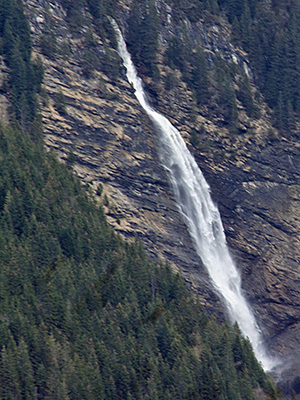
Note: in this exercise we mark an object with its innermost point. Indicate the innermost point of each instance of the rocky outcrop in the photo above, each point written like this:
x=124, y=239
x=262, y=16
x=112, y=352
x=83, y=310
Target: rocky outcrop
x=253, y=174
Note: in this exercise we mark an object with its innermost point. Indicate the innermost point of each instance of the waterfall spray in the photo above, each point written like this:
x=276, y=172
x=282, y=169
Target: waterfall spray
x=201, y=215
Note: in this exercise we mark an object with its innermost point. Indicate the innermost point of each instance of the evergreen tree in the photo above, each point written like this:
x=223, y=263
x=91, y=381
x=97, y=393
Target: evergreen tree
x=26, y=372
x=143, y=31
x=199, y=78
x=245, y=96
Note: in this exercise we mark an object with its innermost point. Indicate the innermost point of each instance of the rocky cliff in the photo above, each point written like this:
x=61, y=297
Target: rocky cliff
x=93, y=121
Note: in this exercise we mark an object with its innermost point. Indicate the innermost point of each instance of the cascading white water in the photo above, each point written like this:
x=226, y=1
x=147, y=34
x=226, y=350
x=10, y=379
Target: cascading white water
x=201, y=215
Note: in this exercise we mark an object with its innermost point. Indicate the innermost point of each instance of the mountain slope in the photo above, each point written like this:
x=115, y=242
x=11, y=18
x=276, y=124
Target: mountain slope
x=213, y=93
x=210, y=89
x=84, y=314
x=92, y=120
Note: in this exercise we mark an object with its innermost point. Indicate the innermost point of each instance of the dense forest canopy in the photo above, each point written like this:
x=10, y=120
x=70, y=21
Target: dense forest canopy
x=85, y=315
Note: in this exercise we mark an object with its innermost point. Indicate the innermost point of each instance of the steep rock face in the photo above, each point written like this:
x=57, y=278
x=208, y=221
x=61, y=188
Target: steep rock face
x=254, y=179
x=260, y=209
x=254, y=176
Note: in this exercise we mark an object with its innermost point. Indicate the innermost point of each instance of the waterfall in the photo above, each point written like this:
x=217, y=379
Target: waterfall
x=201, y=215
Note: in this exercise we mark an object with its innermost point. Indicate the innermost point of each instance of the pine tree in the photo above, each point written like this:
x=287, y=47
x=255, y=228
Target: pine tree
x=10, y=383
x=142, y=38
x=245, y=96
x=199, y=77
x=25, y=372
